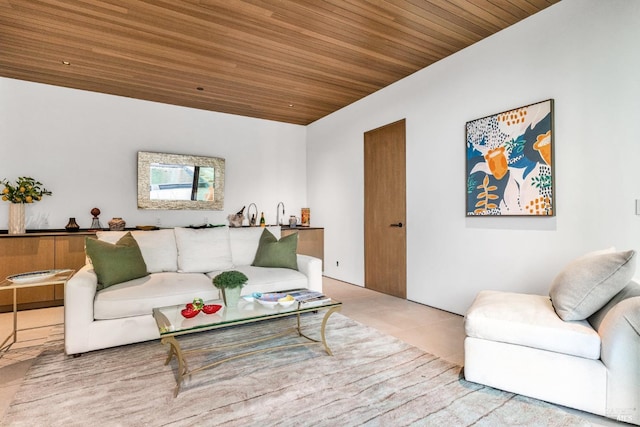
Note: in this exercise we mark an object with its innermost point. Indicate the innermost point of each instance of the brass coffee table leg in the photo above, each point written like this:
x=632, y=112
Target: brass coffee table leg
x=183, y=370
x=323, y=339
x=174, y=349
x=4, y=348
x=324, y=324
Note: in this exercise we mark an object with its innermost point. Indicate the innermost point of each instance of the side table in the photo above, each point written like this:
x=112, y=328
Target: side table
x=60, y=278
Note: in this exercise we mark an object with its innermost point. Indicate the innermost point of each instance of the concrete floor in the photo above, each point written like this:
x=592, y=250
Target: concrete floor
x=435, y=331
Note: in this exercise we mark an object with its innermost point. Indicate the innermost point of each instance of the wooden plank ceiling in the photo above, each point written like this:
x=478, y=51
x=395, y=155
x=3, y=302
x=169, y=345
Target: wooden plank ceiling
x=293, y=61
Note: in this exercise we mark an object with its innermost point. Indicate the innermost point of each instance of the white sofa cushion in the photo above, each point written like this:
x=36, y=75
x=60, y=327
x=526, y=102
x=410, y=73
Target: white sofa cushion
x=158, y=247
x=138, y=297
x=203, y=250
x=244, y=243
x=269, y=279
x=531, y=321
x=586, y=284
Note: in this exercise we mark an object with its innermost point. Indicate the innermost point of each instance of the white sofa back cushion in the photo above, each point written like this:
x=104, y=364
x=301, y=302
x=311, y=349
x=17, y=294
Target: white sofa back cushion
x=244, y=243
x=158, y=247
x=203, y=250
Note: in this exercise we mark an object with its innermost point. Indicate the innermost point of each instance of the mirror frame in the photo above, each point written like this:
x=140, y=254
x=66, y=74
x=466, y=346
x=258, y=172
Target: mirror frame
x=145, y=159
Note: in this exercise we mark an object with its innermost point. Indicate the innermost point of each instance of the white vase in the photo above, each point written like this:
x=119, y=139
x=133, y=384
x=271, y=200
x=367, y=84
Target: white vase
x=16, y=218
x=231, y=296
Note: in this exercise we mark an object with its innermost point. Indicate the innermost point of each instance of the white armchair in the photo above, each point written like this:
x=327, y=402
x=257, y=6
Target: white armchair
x=588, y=361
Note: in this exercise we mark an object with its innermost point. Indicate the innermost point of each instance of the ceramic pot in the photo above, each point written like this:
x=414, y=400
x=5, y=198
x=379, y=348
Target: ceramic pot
x=231, y=296
x=16, y=218
x=116, y=224
x=72, y=225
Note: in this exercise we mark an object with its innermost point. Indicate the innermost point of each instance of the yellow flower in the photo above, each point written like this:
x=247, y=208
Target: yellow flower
x=25, y=190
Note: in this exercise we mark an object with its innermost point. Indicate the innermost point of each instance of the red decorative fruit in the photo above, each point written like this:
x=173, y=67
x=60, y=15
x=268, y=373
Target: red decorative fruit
x=211, y=308
x=189, y=312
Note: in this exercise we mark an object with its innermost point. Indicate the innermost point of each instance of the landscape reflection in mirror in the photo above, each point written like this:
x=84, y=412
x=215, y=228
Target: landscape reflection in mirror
x=174, y=181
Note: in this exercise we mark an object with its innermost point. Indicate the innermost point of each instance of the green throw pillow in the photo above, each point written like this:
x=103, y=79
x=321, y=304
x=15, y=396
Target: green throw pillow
x=116, y=263
x=274, y=253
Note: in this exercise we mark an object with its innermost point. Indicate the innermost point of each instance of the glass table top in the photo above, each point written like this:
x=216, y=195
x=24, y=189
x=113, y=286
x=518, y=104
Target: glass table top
x=170, y=321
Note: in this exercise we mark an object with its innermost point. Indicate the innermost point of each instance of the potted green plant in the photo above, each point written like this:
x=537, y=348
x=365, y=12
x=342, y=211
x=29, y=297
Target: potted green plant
x=231, y=283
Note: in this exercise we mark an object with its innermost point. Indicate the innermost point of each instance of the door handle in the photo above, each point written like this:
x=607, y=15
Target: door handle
x=399, y=225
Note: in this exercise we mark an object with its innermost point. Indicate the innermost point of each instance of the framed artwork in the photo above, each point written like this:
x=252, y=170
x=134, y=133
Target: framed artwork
x=509, y=165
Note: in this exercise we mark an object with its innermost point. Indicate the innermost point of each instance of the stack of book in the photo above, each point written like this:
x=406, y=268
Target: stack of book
x=308, y=298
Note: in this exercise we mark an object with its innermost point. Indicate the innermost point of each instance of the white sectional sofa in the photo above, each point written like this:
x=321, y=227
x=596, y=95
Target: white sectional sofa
x=181, y=263
x=578, y=347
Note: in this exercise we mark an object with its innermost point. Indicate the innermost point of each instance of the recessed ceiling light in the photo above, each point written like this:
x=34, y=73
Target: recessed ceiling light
x=66, y=63
x=291, y=105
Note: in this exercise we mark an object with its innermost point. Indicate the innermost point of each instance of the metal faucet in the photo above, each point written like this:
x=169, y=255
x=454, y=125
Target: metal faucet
x=278, y=219
x=254, y=218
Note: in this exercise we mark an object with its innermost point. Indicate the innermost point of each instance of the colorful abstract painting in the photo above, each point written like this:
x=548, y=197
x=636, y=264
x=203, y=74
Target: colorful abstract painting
x=509, y=162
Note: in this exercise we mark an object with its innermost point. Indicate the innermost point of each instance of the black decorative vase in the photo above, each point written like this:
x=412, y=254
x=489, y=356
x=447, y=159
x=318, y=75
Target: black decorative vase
x=72, y=225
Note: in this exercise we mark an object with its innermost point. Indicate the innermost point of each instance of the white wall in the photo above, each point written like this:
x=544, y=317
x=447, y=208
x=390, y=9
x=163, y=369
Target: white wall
x=83, y=146
x=583, y=54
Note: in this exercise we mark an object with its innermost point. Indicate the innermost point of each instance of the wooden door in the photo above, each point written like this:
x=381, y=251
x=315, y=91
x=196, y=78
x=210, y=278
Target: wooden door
x=385, y=245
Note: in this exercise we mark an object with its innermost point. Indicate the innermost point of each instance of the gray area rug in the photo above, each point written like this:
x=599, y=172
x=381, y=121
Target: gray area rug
x=372, y=380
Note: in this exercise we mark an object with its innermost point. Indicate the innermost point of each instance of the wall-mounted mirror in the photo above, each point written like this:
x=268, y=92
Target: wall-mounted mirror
x=175, y=181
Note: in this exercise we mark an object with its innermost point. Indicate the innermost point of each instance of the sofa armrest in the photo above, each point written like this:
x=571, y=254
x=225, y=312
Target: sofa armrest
x=312, y=268
x=79, y=294
x=620, y=334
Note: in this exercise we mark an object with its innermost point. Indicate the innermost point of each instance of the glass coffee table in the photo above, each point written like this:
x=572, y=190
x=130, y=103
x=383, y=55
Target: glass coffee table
x=172, y=324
